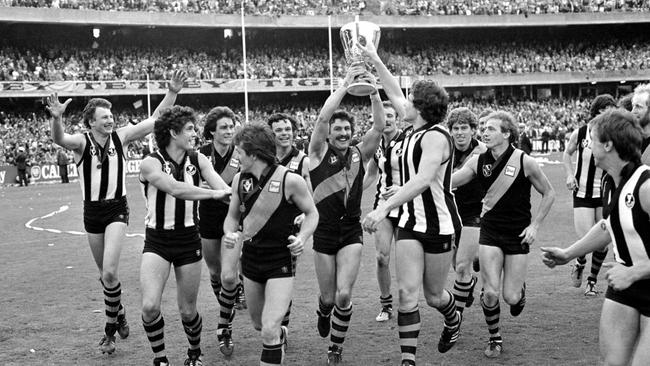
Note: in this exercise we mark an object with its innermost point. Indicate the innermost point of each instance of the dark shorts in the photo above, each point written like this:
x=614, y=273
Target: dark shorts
x=261, y=264
x=508, y=241
x=587, y=202
x=211, y=218
x=393, y=221
x=332, y=240
x=468, y=221
x=432, y=244
x=179, y=247
x=99, y=214
x=636, y=296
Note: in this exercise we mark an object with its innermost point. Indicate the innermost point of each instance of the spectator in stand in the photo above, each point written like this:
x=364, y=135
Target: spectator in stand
x=62, y=160
x=22, y=163
x=524, y=141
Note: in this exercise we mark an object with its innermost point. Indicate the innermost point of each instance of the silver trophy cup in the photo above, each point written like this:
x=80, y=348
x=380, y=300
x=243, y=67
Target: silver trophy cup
x=361, y=32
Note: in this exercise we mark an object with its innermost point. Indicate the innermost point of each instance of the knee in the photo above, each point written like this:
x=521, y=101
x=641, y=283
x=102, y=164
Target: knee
x=270, y=334
x=188, y=311
x=408, y=298
x=383, y=260
x=229, y=278
x=434, y=299
x=463, y=268
x=109, y=277
x=511, y=297
x=490, y=297
x=150, y=310
x=343, y=298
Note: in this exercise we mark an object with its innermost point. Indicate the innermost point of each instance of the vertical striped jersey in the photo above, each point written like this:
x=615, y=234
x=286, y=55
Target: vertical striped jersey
x=165, y=212
x=587, y=173
x=386, y=159
x=102, y=170
x=434, y=211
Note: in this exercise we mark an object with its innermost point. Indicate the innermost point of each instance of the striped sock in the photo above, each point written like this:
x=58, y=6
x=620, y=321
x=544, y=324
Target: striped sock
x=492, y=314
x=597, y=259
x=155, y=330
x=216, y=287
x=285, y=320
x=582, y=260
x=409, y=329
x=226, y=303
x=271, y=354
x=340, y=324
x=461, y=293
x=112, y=298
x=193, y=331
x=386, y=301
x=449, y=312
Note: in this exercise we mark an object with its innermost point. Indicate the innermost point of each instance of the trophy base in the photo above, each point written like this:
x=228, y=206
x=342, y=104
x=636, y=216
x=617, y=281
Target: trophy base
x=360, y=89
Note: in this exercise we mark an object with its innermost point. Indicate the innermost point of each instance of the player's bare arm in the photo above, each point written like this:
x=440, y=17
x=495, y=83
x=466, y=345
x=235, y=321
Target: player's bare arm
x=301, y=197
x=465, y=174
x=372, y=138
x=76, y=142
x=231, y=223
x=567, y=160
x=388, y=81
x=539, y=180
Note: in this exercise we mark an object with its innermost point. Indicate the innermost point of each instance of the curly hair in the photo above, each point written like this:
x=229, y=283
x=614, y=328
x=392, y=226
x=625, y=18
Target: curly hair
x=623, y=130
x=508, y=124
x=602, y=101
x=171, y=119
x=431, y=100
x=213, y=116
x=277, y=117
x=89, y=110
x=257, y=139
x=462, y=116
x=344, y=116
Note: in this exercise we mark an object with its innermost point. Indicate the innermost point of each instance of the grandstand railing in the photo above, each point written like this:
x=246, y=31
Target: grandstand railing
x=134, y=18
x=18, y=89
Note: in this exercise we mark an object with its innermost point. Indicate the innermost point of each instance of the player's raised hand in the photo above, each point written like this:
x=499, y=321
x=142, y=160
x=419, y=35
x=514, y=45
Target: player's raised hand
x=369, y=51
x=179, y=77
x=55, y=107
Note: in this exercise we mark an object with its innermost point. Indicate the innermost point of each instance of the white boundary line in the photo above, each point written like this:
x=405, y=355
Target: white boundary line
x=62, y=209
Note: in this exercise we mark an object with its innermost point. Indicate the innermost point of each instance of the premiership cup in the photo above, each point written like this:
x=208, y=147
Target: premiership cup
x=362, y=33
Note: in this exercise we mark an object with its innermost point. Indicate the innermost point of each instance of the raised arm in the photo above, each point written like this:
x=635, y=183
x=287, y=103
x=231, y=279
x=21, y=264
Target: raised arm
x=317, y=143
x=135, y=132
x=75, y=142
x=567, y=158
x=465, y=174
x=388, y=81
x=539, y=180
x=372, y=138
x=372, y=171
x=151, y=171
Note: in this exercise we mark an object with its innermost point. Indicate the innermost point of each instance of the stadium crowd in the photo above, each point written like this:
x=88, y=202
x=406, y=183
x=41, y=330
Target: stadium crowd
x=61, y=62
x=552, y=119
x=337, y=7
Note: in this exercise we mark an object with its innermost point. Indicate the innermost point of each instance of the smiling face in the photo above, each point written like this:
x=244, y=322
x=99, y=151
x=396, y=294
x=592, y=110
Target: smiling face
x=186, y=138
x=462, y=134
x=391, y=120
x=102, y=121
x=493, y=136
x=283, y=133
x=640, y=105
x=224, y=131
x=340, y=134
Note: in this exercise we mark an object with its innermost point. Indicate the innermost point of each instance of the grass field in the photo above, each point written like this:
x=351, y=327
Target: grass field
x=52, y=305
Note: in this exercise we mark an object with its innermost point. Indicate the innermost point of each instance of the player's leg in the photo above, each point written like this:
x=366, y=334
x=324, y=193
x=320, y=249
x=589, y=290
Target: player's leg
x=514, y=282
x=154, y=272
x=597, y=259
x=348, y=261
x=583, y=220
x=277, y=296
x=212, y=255
x=325, y=267
x=465, y=282
x=619, y=331
x=492, y=259
x=188, y=279
x=642, y=351
x=409, y=270
x=229, y=285
x=383, y=239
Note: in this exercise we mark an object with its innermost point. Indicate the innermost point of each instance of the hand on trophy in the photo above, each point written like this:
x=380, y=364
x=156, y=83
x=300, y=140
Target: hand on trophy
x=353, y=72
x=369, y=52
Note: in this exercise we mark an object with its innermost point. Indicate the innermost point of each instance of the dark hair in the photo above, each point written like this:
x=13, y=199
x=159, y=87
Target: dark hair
x=462, y=116
x=277, y=117
x=601, y=102
x=171, y=119
x=388, y=104
x=213, y=116
x=343, y=115
x=508, y=124
x=431, y=100
x=623, y=130
x=626, y=102
x=257, y=139
x=89, y=109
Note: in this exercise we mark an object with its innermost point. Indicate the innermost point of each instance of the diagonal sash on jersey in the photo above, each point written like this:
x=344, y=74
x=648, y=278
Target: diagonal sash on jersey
x=228, y=173
x=341, y=180
x=504, y=181
x=265, y=204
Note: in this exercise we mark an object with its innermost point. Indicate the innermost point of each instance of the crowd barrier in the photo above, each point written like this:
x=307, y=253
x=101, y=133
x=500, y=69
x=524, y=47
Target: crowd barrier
x=49, y=173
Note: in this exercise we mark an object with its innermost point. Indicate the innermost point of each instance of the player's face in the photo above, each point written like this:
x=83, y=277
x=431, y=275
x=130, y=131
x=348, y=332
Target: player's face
x=391, y=120
x=410, y=113
x=481, y=126
x=340, y=134
x=283, y=132
x=492, y=135
x=224, y=131
x=102, y=121
x=186, y=139
x=462, y=134
x=640, y=105
x=245, y=160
